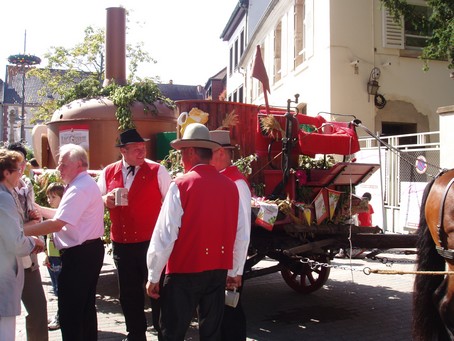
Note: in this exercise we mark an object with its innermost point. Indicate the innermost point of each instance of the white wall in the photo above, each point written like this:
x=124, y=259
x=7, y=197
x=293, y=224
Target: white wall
x=343, y=32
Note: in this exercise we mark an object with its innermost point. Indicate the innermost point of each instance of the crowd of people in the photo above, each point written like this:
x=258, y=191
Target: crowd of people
x=181, y=241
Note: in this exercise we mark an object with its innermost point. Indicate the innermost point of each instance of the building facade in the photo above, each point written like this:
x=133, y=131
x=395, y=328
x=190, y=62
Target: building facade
x=328, y=51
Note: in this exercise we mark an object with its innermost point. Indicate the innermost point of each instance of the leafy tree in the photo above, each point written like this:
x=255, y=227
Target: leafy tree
x=441, y=44
x=78, y=72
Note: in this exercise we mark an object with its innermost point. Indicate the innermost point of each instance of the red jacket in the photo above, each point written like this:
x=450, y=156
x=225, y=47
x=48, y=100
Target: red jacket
x=209, y=223
x=135, y=223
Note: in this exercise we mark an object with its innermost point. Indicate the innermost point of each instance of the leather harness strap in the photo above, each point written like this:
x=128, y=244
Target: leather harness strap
x=442, y=251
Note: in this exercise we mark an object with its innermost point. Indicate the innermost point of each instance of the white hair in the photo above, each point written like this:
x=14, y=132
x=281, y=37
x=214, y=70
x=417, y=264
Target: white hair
x=75, y=153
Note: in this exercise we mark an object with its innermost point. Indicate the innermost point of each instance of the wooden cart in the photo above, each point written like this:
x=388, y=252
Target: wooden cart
x=301, y=248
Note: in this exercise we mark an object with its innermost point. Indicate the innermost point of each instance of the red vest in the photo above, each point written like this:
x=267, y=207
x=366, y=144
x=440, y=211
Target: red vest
x=234, y=174
x=209, y=223
x=135, y=223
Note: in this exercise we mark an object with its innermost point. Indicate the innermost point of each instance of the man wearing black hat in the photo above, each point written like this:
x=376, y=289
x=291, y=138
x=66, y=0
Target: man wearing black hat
x=194, y=239
x=133, y=217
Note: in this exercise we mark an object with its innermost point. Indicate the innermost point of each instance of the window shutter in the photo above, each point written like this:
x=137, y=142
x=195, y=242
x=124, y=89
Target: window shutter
x=309, y=28
x=393, y=33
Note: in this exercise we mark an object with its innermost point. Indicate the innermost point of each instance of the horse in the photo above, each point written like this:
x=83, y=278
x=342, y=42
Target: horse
x=433, y=294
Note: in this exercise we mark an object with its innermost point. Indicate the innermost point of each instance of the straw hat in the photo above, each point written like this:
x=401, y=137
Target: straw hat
x=222, y=137
x=195, y=135
x=129, y=136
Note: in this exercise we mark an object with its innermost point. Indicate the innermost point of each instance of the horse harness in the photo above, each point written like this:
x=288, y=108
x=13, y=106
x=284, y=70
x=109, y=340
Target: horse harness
x=442, y=251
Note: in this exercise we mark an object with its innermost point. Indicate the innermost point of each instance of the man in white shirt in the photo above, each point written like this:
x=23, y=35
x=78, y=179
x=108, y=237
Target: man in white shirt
x=78, y=225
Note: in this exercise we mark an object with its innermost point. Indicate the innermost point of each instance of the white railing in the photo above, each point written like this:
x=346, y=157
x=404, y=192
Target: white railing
x=398, y=167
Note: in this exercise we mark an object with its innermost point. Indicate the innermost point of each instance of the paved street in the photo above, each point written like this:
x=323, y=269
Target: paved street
x=350, y=306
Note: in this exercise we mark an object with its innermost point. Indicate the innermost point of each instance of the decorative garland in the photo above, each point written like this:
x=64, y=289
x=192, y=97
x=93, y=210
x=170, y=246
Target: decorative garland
x=24, y=59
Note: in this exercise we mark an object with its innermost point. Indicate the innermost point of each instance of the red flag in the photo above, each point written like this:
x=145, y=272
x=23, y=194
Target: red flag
x=259, y=71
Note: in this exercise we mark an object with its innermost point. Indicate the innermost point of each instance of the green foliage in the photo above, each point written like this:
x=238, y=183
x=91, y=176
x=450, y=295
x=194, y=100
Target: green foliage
x=441, y=44
x=83, y=77
x=86, y=88
x=172, y=162
x=107, y=224
x=146, y=92
x=244, y=164
x=306, y=162
x=258, y=189
x=42, y=182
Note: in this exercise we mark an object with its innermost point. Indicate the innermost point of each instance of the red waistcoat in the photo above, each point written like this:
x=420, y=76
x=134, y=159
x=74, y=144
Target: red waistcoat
x=234, y=174
x=135, y=223
x=209, y=223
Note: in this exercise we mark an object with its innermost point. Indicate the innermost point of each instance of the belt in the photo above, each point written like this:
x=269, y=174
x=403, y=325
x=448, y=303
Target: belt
x=87, y=242
x=90, y=241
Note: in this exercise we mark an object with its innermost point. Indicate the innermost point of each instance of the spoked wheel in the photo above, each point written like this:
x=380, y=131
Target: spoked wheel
x=306, y=279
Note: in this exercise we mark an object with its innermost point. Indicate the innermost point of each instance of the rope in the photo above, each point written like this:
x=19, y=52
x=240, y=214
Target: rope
x=394, y=149
x=266, y=164
x=368, y=271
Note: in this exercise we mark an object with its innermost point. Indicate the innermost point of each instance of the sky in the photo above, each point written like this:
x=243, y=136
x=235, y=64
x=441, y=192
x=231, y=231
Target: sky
x=183, y=36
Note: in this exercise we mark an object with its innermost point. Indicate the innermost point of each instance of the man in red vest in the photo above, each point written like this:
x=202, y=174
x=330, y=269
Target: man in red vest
x=194, y=239
x=234, y=320
x=133, y=218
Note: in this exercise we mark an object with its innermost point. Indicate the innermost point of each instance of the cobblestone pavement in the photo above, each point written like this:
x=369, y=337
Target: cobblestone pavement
x=350, y=306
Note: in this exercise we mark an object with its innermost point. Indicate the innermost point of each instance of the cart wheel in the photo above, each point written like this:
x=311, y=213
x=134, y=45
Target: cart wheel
x=306, y=280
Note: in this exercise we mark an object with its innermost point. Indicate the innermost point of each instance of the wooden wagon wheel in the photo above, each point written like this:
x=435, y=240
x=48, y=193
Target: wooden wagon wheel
x=306, y=280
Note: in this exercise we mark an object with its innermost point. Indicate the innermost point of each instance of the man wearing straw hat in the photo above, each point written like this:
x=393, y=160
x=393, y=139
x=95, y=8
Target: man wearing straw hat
x=234, y=320
x=194, y=239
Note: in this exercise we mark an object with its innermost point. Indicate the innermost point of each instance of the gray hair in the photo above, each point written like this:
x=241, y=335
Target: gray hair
x=75, y=153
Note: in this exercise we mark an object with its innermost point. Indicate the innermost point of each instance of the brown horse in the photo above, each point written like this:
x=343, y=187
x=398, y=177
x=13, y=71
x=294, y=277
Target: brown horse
x=433, y=296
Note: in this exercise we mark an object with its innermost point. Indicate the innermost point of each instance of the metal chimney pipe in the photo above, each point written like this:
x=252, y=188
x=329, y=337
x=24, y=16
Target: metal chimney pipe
x=115, y=46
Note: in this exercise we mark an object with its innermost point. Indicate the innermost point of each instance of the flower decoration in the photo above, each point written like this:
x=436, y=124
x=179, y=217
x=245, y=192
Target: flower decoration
x=301, y=176
x=244, y=164
x=24, y=59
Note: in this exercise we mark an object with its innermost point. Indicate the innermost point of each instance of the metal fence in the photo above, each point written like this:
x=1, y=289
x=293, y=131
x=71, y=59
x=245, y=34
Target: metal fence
x=411, y=159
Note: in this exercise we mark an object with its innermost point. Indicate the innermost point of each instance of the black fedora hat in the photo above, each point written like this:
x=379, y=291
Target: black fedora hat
x=129, y=136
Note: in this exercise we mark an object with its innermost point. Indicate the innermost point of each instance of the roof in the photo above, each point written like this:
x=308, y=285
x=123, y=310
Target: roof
x=12, y=88
x=181, y=92
x=237, y=15
x=220, y=76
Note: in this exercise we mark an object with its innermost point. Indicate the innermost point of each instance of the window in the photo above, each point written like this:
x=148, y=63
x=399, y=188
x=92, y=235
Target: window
x=416, y=34
x=299, y=53
x=277, y=52
x=236, y=52
x=410, y=35
x=231, y=61
x=303, y=31
x=242, y=43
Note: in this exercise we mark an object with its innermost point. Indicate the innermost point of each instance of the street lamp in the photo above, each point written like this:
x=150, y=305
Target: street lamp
x=372, y=84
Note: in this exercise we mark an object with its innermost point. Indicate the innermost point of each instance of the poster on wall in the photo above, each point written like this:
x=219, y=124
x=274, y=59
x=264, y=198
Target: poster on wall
x=372, y=185
x=410, y=202
x=76, y=134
